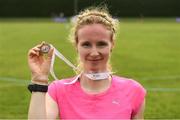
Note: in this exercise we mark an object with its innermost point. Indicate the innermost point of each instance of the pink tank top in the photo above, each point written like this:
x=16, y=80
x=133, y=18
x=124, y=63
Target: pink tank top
x=121, y=101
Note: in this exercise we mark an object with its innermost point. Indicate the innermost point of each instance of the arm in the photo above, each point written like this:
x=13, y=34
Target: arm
x=140, y=113
x=41, y=106
x=51, y=108
x=37, y=109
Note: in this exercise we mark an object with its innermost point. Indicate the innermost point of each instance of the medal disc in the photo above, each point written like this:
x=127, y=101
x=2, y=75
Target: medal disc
x=45, y=48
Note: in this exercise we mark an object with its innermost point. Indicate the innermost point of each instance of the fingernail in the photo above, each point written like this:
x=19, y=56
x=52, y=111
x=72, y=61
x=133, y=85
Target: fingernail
x=42, y=42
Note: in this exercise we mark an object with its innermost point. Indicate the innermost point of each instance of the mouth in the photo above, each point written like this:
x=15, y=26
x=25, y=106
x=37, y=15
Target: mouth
x=94, y=60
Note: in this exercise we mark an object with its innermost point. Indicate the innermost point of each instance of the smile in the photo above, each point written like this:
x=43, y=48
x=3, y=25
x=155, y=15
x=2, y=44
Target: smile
x=95, y=60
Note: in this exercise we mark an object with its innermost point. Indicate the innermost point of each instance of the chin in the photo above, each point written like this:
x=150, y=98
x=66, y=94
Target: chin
x=95, y=69
x=92, y=69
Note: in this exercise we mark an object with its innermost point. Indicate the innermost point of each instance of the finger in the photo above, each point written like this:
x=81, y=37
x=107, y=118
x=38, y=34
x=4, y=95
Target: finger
x=43, y=42
x=36, y=49
x=40, y=45
x=50, y=53
x=33, y=53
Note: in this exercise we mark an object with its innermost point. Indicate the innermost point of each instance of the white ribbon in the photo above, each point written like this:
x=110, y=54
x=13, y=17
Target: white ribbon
x=98, y=76
x=92, y=76
x=58, y=54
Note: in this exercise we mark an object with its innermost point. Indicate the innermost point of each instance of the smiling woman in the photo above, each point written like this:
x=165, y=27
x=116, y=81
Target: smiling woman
x=94, y=47
x=95, y=92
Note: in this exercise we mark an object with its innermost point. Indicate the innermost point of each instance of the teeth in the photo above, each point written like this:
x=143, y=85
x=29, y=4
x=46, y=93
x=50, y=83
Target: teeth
x=94, y=60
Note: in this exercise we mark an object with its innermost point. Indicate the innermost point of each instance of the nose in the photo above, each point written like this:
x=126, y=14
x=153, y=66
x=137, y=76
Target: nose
x=94, y=52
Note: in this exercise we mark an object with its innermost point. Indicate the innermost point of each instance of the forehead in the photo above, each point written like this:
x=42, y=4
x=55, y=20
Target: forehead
x=94, y=32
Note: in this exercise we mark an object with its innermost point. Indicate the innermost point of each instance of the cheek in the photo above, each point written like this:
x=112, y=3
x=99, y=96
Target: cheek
x=108, y=54
x=82, y=53
x=107, y=51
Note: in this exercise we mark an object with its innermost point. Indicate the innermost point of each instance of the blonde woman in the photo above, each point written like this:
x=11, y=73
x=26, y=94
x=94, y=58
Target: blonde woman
x=94, y=93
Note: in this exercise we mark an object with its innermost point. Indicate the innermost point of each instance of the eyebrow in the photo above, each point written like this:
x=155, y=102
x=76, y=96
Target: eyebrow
x=99, y=41
x=102, y=41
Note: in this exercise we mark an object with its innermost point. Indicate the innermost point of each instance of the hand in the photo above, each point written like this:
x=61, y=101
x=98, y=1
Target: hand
x=39, y=64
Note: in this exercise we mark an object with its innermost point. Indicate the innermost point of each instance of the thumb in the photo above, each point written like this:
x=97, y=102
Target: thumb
x=50, y=53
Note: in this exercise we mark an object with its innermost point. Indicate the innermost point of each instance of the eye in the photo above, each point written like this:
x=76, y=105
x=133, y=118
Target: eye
x=102, y=44
x=86, y=44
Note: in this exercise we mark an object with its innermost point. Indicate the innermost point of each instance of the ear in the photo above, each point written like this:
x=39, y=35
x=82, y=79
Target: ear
x=112, y=45
x=76, y=47
x=76, y=43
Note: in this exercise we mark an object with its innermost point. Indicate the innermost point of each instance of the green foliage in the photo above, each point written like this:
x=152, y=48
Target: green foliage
x=146, y=50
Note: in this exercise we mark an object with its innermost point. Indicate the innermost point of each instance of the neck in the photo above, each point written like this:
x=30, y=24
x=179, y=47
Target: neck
x=94, y=86
x=95, y=70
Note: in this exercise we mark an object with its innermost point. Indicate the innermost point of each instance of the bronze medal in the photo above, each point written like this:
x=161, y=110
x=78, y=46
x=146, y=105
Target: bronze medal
x=45, y=48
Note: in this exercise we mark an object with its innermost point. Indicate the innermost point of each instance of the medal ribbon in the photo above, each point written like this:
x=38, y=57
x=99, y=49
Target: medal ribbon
x=92, y=76
x=61, y=56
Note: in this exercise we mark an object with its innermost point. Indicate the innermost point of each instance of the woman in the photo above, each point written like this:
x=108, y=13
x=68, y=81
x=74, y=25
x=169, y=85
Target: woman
x=95, y=92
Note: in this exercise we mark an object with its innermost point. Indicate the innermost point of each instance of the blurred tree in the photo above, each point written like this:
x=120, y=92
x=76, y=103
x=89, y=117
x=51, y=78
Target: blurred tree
x=47, y=8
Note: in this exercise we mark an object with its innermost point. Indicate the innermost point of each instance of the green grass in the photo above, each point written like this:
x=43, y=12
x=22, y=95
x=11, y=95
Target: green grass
x=146, y=50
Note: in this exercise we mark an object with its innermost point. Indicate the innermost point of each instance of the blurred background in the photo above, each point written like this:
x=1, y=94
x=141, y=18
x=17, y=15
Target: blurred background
x=147, y=48
x=119, y=8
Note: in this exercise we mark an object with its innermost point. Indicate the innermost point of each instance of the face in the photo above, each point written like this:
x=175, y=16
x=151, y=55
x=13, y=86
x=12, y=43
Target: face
x=94, y=47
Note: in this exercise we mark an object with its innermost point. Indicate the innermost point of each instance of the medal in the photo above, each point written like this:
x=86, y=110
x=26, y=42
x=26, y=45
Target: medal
x=45, y=48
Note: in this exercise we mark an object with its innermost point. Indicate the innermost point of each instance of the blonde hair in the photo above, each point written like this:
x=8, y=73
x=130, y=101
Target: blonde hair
x=94, y=15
